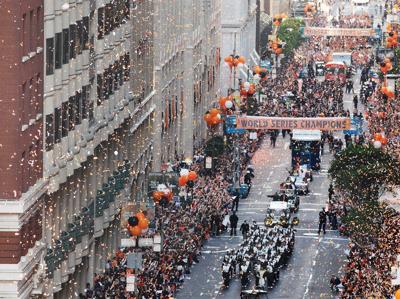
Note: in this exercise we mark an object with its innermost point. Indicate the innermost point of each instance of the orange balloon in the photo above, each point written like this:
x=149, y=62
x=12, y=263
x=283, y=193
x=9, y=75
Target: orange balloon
x=384, y=140
x=183, y=180
x=214, y=112
x=143, y=223
x=390, y=93
x=207, y=117
x=135, y=230
x=397, y=294
x=228, y=59
x=257, y=69
x=157, y=195
x=278, y=51
x=140, y=215
x=222, y=102
x=215, y=121
x=242, y=60
x=192, y=176
x=377, y=137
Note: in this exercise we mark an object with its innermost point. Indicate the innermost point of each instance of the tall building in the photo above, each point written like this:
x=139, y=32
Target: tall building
x=76, y=139
x=22, y=187
x=187, y=65
x=239, y=27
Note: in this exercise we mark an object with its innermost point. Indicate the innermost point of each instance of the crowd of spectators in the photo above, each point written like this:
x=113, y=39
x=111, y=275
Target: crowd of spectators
x=368, y=271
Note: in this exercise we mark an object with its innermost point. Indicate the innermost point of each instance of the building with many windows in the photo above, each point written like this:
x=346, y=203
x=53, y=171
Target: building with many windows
x=96, y=94
x=187, y=65
x=77, y=137
x=22, y=187
x=239, y=27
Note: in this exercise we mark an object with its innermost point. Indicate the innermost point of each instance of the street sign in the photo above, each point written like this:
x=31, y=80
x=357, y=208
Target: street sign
x=131, y=242
x=230, y=126
x=130, y=282
x=208, y=163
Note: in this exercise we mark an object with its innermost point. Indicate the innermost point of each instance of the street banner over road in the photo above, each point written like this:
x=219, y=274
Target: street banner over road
x=290, y=123
x=330, y=31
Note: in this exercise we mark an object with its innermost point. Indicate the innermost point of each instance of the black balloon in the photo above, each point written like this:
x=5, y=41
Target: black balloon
x=133, y=221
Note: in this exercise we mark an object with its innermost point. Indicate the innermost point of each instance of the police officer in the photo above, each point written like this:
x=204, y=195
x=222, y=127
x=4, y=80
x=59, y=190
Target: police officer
x=322, y=221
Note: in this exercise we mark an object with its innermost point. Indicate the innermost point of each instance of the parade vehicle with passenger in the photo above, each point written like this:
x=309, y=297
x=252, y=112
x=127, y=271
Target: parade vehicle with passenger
x=288, y=194
x=301, y=179
x=278, y=213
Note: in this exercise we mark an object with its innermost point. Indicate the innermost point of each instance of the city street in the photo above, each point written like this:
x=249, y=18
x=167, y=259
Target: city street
x=315, y=258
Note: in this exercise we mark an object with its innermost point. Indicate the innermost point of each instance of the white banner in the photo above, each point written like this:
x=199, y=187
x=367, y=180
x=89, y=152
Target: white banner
x=330, y=31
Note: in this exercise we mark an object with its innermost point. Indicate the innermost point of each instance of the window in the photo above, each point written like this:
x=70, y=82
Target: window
x=85, y=33
x=49, y=132
x=71, y=113
x=127, y=9
x=65, y=46
x=108, y=24
x=79, y=38
x=100, y=94
x=49, y=56
x=57, y=125
x=100, y=23
x=24, y=35
x=126, y=67
x=72, y=41
x=84, y=101
x=38, y=25
x=31, y=31
x=24, y=103
x=91, y=112
x=58, y=50
x=78, y=108
x=64, y=130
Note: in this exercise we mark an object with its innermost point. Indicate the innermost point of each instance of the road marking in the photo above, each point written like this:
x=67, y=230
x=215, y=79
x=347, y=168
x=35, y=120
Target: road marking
x=324, y=238
x=310, y=234
x=286, y=146
x=308, y=209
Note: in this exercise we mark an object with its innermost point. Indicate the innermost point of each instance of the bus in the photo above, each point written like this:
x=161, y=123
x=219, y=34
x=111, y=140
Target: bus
x=306, y=147
x=335, y=71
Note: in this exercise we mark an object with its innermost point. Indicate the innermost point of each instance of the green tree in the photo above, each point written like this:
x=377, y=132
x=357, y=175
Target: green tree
x=362, y=172
x=289, y=33
x=364, y=222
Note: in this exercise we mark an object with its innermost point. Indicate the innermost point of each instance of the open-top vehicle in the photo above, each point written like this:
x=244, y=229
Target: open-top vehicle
x=279, y=213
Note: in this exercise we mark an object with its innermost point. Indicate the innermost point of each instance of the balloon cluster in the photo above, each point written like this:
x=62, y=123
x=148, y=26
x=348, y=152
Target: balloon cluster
x=309, y=9
x=226, y=103
x=277, y=20
x=213, y=117
x=163, y=194
x=247, y=89
x=379, y=140
x=277, y=47
x=260, y=73
x=187, y=178
x=386, y=66
x=387, y=92
x=137, y=223
x=392, y=40
x=234, y=61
